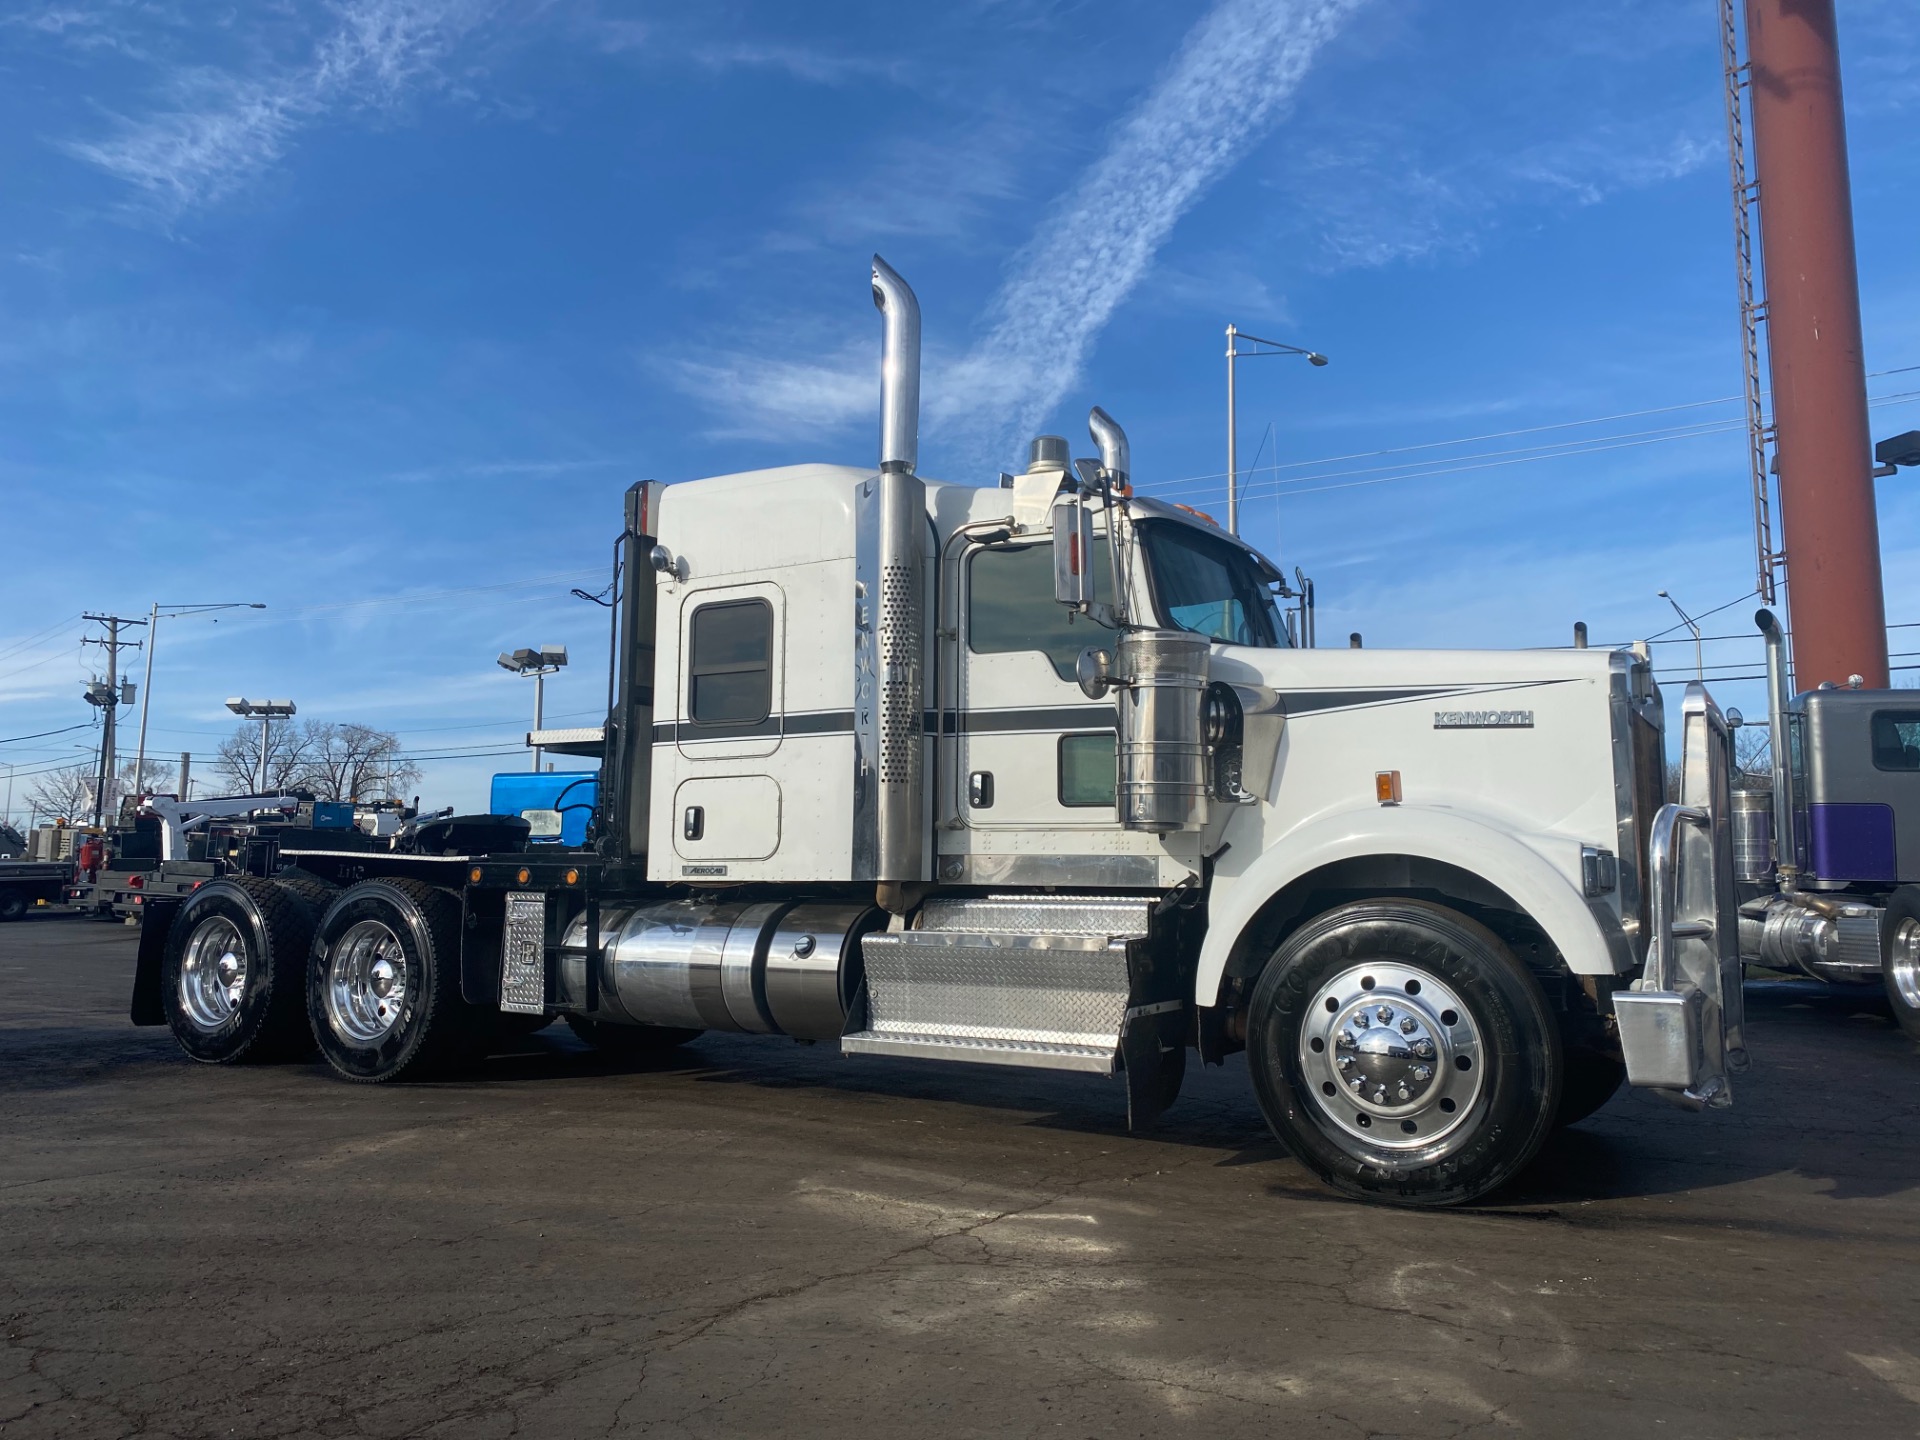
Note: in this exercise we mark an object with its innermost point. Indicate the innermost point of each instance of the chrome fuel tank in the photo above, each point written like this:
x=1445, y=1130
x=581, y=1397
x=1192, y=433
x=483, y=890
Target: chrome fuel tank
x=764, y=967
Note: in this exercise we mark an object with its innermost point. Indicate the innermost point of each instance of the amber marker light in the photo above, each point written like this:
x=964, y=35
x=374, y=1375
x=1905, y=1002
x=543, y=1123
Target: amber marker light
x=573, y=877
x=523, y=876
x=473, y=875
x=1386, y=787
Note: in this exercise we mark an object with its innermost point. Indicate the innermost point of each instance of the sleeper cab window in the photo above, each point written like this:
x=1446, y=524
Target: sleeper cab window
x=1087, y=769
x=730, y=663
x=1010, y=605
x=1896, y=739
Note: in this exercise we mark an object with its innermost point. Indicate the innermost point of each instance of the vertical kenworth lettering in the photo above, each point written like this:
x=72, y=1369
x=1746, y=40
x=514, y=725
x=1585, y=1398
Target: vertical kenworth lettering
x=1043, y=774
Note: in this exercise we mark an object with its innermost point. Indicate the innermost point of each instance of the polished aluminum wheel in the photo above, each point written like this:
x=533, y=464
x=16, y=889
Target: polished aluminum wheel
x=1903, y=963
x=213, y=973
x=1391, y=1055
x=367, y=981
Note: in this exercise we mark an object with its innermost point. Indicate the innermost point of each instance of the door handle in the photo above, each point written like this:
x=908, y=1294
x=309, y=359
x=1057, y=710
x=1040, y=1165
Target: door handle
x=980, y=790
x=693, y=824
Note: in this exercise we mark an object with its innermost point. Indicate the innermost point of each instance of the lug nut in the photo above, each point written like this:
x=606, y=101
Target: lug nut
x=1422, y=1074
x=1403, y=1093
x=1423, y=1048
x=1345, y=1042
x=1357, y=1084
x=1360, y=1021
x=1408, y=1024
x=1345, y=1062
x=1385, y=1012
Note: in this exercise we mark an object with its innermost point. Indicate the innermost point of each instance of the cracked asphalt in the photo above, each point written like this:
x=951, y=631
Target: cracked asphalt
x=767, y=1239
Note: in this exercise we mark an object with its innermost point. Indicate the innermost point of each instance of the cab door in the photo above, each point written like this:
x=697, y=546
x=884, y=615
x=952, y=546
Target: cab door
x=1032, y=758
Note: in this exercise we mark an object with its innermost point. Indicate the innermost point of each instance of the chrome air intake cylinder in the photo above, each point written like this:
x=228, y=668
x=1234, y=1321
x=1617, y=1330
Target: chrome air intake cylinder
x=765, y=968
x=1753, y=836
x=1162, y=782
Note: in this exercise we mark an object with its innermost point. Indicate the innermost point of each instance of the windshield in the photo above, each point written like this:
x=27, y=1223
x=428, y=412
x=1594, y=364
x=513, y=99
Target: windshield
x=1210, y=586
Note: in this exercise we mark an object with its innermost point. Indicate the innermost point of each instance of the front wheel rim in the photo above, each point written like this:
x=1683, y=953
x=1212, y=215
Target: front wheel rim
x=213, y=973
x=1393, y=1057
x=1903, y=962
x=367, y=983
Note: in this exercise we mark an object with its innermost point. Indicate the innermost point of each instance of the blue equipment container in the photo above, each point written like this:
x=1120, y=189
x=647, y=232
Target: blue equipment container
x=555, y=803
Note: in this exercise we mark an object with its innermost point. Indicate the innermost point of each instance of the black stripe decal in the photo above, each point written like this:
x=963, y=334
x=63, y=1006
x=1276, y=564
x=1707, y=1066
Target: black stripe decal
x=1054, y=718
x=1308, y=702
x=819, y=722
x=1045, y=719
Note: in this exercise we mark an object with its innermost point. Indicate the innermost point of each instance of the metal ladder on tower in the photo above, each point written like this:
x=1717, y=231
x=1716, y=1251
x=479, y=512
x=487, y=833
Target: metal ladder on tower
x=1769, y=560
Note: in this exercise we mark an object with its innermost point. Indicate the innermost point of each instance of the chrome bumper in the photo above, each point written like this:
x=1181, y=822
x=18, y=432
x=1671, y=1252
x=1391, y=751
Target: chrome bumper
x=1681, y=1023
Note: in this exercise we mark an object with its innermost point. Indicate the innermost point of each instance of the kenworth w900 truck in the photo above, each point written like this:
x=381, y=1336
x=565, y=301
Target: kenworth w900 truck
x=1032, y=775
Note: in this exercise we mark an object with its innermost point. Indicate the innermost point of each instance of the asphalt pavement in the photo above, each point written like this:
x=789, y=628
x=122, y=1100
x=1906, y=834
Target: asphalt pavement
x=764, y=1238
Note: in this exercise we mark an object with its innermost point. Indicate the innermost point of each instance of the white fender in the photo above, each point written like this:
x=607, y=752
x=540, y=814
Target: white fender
x=1549, y=896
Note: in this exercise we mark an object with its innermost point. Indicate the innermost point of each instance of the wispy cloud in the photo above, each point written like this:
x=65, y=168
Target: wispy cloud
x=768, y=397
x=1233, y=75
x=220, y=129
x=801, y=62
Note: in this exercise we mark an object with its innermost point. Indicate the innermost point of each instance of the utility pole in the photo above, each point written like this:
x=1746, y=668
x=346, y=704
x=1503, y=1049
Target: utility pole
x=109, y=698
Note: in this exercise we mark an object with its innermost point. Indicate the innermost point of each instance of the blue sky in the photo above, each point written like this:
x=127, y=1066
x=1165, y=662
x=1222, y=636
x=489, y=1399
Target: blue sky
x=370, y=310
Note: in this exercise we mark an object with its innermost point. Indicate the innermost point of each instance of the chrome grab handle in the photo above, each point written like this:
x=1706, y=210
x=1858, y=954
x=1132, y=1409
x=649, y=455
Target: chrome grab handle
x=1660, y=867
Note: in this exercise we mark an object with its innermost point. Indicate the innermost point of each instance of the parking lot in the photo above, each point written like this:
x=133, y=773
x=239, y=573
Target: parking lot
x=766, y=1239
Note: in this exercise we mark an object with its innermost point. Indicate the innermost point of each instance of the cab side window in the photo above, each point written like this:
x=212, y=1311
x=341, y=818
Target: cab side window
x=730, y=663
x=1896, y=739
x=1010, y=605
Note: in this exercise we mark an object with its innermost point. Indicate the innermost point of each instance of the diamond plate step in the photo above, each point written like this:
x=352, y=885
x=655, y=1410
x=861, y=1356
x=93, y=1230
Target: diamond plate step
x=1032, y=1055
x=1055, y=1000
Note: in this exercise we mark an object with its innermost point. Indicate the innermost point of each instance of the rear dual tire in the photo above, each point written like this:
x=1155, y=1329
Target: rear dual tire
x=234, y=971
x=383, y=985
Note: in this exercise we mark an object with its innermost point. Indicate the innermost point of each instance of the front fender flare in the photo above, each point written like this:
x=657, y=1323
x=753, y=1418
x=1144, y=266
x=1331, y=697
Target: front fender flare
x=1549, y=897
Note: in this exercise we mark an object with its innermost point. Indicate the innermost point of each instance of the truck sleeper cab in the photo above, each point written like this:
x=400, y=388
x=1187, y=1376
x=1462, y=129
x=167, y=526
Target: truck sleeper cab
x=1032, y=776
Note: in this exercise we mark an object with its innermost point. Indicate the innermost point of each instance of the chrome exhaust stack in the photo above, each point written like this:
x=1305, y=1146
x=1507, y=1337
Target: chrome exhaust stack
x=890, y=844
x=899, y=369
x=1115, y=456
x=1786, y=846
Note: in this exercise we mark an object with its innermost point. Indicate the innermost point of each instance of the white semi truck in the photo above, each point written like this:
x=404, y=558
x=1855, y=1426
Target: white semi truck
x=1032, y=775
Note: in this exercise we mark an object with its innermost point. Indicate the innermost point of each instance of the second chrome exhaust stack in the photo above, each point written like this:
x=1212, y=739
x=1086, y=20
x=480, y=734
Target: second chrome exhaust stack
x=899, y=369
x=891, y=732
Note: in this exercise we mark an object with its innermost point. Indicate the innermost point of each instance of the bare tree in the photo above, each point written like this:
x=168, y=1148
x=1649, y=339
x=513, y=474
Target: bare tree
x=66, y=793
x=356, y=762
x=332, y=762
x=238, y=762
x=1752, y=758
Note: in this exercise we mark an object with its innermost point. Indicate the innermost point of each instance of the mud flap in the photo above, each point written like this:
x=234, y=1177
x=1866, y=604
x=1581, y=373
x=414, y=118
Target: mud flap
x=156, y=924
x=1153, y=1061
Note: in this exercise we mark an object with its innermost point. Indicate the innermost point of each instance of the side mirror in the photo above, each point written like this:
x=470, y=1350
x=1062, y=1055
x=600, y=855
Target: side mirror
x=1094, y=671
x=1072, y=552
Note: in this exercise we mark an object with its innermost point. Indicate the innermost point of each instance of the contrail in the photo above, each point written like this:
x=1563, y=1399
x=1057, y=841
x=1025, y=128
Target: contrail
x=1234, y=72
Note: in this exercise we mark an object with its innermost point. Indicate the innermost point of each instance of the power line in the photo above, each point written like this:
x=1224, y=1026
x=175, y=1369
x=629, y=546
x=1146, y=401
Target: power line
x=39, y=734
x=1557, y=450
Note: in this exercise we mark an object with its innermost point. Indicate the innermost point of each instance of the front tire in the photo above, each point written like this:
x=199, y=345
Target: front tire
x=1900, y=957
x=383, y=984
x=232, y=975
x=1403, y=1054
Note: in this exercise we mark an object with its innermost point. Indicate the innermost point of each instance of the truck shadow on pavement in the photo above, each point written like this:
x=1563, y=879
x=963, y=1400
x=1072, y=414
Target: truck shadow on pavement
x=1813, y=1046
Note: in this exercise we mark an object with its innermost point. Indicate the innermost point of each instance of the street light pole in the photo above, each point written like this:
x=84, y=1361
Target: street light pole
x=1273, y=347
x=173, y=612
x=266, y=710
x=1699, y=669
x=540, y=663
